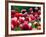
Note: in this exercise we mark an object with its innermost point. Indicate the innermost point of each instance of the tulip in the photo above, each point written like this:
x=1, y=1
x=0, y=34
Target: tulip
x=15, y=22
x=39, y=12
x=21, y=26
x=36, y=15
x=38, y=18
x=25, y=25
x=25, y=14
x=20, y=14
x=27, y=19
x=32, y=18
x=12, y=27
x=17, y=14
x=21, y=19
x=12, y=13
x=23, y=11
x=15, y=19
x=30, y=9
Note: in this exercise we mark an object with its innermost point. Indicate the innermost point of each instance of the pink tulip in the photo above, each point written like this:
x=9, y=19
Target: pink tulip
x=21, y=26
x=25, y=22
x=15, y=19
x=12, y=27
x=32, y=17
x=30, y=9
x=36, y=16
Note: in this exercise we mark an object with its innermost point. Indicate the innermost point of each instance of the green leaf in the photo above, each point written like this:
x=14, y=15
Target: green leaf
x=17, y=28
x=33, y=26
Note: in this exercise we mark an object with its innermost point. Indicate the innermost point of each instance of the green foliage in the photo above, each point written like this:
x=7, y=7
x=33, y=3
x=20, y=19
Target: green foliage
x=19, y=8
x=17, y=29
x=33, y=26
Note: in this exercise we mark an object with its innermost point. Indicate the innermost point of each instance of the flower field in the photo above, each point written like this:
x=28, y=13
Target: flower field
x=25, y=18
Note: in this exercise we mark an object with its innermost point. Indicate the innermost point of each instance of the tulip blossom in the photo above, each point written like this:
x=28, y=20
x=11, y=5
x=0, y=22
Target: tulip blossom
x=39, y=12
x=32, y=18
x=27, y=19
x=21, y=19
x=20, y=14
x=25, y=25
x=21, y=26
x=14, y=21
x=12, y=13
x=30, y=9
x=17, y=14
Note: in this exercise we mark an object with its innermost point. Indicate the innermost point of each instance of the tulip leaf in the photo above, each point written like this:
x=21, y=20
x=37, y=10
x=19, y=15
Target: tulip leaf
x=17, y=29
x=33, y=26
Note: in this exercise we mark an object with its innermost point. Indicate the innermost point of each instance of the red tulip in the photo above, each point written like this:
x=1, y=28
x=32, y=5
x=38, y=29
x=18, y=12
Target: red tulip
x=25, y=25
x=20, y=14
x=38, y=18
x=25, y=14
x=17, y=14
x=15, y=22
x=30, y=28
x=27, y=19
x=12, y=13
x=21, y=19
x=32, y=17
x=39, y=13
